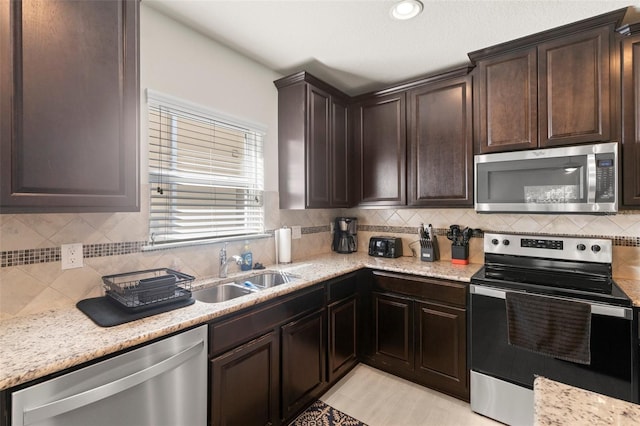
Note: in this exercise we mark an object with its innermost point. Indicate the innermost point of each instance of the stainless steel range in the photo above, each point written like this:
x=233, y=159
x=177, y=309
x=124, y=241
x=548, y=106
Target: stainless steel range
x=547, y=306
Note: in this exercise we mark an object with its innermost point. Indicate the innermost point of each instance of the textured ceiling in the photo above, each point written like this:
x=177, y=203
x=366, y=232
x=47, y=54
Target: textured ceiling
x=356, y=46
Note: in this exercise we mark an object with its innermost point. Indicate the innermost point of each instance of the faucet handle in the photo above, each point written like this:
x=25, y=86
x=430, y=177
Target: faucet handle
x=223, y=252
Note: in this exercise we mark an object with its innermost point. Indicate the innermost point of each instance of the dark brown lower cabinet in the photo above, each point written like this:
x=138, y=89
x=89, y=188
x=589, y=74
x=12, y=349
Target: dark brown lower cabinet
x=342, y=323
x=418, y=331
x=269, y=362
x=441, y=337
x=303, y=362
x=245, y=384
x=393, y=331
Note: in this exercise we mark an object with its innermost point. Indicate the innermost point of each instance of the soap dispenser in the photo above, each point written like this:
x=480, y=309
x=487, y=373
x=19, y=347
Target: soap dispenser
x=247, y=257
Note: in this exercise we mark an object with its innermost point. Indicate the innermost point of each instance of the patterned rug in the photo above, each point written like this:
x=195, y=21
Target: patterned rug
x=321, y=414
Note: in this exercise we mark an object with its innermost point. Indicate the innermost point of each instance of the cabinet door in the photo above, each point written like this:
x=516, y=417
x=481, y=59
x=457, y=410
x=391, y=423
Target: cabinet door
x=380, y=143
x=69, y=108
x=574, y=83
x=341, y=156
x=631, y=121
x=393, y=331
x=244, y=384
x=441, y=144
x=440, y=357
x=318, y=149
x=342, y=337
x=303, y=362
x=507, y=102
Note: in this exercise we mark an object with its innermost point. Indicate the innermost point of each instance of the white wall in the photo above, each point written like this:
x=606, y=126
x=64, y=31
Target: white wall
x=178, y=61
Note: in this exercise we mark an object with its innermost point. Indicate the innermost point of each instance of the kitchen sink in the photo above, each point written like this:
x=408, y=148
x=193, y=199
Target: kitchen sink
x=269, y=279
x=228, y=291
x=221, y=293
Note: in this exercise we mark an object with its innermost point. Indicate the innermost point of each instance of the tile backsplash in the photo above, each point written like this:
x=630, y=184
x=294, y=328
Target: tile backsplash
x=31, y=279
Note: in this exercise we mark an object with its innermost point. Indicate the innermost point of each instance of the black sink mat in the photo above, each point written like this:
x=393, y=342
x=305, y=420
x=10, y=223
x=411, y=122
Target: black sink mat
x=106, y=313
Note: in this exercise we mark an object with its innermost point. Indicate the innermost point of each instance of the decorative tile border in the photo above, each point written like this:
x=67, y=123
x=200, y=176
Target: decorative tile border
x=52, y=254
x=29, y=256
x=113, y=249
x=316, y=229
x=626, y=241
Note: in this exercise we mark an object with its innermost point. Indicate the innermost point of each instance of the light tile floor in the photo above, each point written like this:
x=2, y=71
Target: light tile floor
x=380, y=399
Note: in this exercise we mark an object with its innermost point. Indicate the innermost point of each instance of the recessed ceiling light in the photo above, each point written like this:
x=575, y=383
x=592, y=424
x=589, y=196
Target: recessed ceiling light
x=406, y=9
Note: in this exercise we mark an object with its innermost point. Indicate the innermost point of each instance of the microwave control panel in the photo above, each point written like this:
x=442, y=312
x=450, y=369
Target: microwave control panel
x=605, y=178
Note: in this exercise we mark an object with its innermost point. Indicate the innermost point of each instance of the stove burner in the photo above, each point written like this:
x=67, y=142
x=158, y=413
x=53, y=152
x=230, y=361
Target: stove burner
x=553, y=265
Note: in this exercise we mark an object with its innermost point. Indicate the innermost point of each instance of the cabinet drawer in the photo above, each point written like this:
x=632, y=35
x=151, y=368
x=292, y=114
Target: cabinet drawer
x=232, y=332
x=449, y=292
x=342, y=287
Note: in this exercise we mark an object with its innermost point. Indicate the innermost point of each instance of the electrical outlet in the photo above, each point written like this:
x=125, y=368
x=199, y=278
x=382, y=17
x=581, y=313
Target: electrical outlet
x=296, y=232
x=71, y=256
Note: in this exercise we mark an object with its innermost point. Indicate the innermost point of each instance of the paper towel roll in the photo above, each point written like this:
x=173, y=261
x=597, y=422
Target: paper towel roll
x=283, y=245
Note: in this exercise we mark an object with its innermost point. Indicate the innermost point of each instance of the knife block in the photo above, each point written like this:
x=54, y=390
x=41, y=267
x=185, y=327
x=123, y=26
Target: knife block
x=429, y=250
x=460, y=254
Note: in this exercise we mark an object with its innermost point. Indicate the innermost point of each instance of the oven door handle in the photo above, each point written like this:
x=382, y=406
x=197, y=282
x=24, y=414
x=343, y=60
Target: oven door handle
x=596, y=308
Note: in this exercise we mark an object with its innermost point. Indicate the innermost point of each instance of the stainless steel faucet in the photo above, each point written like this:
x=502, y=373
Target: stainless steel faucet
x=224, y=262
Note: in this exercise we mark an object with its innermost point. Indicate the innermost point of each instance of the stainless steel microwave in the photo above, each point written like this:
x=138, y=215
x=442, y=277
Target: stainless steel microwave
x=575, y=179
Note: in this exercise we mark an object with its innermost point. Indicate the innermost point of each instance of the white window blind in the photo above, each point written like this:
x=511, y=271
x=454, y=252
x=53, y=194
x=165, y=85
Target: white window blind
x=206, y=174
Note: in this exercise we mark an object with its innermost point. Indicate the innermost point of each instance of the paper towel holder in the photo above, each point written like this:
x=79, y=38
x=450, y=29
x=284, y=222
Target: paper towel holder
x=283, y=245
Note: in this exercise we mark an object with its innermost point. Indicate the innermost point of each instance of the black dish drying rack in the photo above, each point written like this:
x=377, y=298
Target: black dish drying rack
x=140, y=290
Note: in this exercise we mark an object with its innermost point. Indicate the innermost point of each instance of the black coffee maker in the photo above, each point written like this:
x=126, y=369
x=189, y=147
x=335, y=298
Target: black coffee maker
x=345, y=235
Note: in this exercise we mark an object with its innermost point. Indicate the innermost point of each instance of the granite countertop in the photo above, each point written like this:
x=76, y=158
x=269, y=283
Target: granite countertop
x=37, y=345
x=631, y=288
x=559, y=404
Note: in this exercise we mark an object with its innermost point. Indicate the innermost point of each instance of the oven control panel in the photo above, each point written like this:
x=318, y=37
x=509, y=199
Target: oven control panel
x=545, y=244
x=552, y=247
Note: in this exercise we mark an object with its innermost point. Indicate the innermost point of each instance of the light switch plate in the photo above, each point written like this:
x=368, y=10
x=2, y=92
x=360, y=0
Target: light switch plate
x=296, y=232
x=71, y=256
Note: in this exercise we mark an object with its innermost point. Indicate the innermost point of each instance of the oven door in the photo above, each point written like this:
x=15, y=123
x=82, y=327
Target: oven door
x=500, y=371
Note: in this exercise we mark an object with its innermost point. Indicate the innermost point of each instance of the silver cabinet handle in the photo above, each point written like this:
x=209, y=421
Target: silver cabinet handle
x=596, y=308
x=90, y=396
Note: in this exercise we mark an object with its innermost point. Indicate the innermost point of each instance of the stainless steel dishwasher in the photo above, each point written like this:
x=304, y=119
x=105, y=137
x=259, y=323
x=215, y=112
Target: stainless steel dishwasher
x=163, y=383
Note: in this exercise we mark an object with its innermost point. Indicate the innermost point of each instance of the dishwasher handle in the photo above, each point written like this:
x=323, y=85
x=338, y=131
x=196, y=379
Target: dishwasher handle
x=596, y=308
x=55, y=408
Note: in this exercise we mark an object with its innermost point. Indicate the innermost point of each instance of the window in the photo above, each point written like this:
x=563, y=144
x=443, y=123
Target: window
x=206, y=174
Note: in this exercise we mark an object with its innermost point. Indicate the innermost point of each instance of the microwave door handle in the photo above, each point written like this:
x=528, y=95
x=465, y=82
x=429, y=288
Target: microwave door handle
x=591, y=178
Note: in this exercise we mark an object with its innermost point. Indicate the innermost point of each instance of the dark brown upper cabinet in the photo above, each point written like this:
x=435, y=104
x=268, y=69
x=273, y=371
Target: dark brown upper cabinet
x=440, y=151
x=507, y=109
x=631, y=116
x=414, y=143
x=558, y=87
x=69, y=106
x=313, y=144
x=574, y=80
x=380, y=145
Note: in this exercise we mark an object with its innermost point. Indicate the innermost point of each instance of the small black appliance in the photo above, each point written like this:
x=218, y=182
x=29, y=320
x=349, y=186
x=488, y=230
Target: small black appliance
x=385, y=247
x=345, y=235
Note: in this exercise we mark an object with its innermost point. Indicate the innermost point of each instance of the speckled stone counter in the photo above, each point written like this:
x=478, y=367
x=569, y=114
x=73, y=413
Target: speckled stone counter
x=559, y=404
x=35, y=346
x=631, y=288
